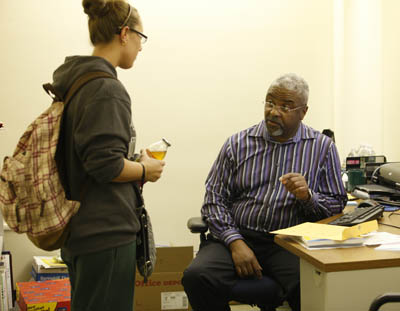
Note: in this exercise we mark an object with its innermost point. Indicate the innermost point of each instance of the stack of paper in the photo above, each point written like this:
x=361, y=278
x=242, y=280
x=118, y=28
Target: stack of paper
x=316, y=235
x=327, y=243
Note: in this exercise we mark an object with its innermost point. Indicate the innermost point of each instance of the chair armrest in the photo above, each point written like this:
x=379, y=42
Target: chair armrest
x=382, y=299
x=197, y=225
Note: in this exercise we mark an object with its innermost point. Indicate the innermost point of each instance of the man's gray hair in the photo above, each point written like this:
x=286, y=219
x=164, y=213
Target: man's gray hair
x=292, y=82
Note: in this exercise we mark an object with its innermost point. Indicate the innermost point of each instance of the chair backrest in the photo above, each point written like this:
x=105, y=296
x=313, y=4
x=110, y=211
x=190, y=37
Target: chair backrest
x=329, y=133
x=384, y=299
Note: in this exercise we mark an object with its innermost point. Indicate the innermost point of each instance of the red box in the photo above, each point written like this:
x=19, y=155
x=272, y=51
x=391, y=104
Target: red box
x=51, y=295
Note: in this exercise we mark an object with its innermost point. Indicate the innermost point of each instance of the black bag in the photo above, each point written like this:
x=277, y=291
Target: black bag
x=145, y=245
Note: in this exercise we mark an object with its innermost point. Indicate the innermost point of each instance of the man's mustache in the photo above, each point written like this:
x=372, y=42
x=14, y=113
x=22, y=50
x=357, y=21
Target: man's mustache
x=276, y=120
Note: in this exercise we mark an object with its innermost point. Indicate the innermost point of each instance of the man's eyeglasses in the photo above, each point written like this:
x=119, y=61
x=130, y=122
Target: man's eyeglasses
x=143, y=37
x=281, y=109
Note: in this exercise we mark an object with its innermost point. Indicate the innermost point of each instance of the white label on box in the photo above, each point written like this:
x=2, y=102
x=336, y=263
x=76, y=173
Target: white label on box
x=174, y=300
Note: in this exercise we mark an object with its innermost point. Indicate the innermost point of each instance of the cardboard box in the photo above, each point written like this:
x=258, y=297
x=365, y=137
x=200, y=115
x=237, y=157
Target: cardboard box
x=173, y=259
x=164, y=290
x=51, y=295
x=47, y=268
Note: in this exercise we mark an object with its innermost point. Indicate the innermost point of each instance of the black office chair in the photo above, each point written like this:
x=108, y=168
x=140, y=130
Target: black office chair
x=245, y=291
x=384, y=299
x=329, y=133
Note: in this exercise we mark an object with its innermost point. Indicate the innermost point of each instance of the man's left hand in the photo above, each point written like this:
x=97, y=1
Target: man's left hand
x=296, y=183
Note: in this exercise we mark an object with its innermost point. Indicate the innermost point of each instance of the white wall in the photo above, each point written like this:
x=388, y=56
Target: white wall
x=359, y=103
x=366, y=70
x=200, y=77
x=390, y=78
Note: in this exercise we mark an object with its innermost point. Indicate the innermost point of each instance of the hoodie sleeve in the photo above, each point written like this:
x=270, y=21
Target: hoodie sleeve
x=102, y=134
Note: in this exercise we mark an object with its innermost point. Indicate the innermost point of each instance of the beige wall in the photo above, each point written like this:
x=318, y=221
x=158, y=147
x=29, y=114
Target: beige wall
x=359, y=104
x=366, y=69
x=201, y=77
x=390, y=78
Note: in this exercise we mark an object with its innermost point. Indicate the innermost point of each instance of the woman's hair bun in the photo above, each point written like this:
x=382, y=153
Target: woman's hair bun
x=95, y=8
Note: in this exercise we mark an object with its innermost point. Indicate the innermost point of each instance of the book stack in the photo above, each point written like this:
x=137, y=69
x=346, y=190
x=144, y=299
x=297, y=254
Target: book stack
x=7, y=296
x=48, y=268
x=320, y=236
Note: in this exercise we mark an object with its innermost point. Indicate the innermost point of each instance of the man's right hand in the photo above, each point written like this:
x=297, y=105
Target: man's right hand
x=245, y=261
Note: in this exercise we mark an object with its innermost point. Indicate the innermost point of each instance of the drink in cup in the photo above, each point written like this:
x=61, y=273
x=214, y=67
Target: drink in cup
x=159, y=148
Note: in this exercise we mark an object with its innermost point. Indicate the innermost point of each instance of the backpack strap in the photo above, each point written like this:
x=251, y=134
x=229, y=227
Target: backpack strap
x=51, y=91
x=60, y=150
x=77, y=85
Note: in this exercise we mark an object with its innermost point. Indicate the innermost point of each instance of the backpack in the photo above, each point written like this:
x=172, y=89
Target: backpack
x=33, y=199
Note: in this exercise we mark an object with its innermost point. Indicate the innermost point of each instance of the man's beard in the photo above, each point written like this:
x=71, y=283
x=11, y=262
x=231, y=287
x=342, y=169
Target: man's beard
x=279, y=130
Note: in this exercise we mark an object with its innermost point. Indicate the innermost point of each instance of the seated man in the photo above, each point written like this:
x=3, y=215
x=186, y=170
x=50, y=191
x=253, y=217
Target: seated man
x=275, y=174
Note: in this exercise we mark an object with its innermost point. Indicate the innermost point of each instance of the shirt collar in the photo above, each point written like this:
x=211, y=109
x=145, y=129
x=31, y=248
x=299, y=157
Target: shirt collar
x=303, y=132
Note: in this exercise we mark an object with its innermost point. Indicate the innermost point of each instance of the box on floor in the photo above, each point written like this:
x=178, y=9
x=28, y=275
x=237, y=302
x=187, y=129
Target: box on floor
x=164, y=290
x=51, y=295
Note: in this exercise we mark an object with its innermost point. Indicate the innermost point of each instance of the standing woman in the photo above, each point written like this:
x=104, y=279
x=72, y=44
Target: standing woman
x=100, y=251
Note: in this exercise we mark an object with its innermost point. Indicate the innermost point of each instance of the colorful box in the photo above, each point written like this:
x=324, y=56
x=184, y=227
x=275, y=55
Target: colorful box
x=51, y=295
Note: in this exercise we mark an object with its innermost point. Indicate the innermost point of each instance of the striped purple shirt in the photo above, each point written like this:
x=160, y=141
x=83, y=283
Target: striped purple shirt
x=243, y=190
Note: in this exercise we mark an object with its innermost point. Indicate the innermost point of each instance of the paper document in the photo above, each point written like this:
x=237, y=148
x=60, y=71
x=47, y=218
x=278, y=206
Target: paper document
x=386, y=241
x=48, y=262
x=328, y=243
x=311, y=230
x=376, y=238
x=388, y=247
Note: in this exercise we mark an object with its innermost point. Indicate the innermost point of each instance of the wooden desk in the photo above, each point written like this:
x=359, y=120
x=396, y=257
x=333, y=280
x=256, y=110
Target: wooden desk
x=346, y=278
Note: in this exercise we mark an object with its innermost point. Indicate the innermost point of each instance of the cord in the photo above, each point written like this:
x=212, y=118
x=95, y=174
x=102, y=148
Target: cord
x=392, y=213
x=397, y=227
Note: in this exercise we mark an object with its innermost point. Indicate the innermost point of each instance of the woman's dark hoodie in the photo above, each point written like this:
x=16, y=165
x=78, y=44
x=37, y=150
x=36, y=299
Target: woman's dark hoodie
x=98, y=135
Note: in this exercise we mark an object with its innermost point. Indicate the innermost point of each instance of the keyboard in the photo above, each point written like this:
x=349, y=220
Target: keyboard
x=359, y=215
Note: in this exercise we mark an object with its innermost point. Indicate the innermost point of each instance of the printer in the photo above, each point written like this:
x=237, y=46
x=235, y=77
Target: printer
x=388, y=174
x=385, y=184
